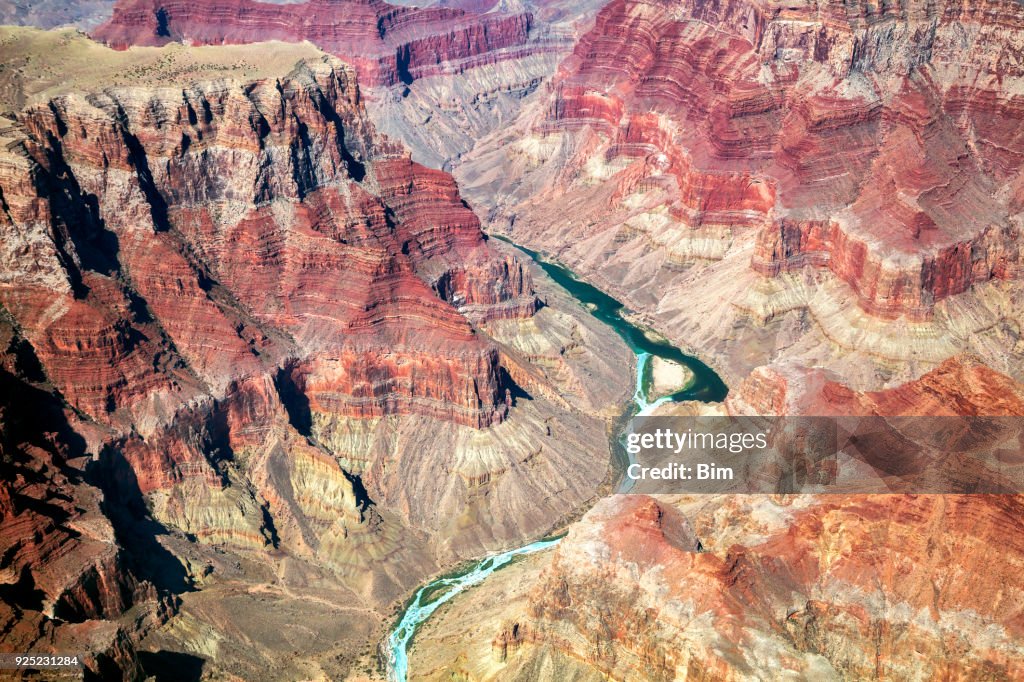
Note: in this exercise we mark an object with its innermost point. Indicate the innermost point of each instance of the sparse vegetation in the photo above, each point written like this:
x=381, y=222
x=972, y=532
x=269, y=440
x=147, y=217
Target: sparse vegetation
x=74, y=60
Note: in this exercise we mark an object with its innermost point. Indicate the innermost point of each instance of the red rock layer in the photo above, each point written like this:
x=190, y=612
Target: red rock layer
x=871, y=139
x=64, y=580
x=388, y=44
x=203, y=272
x=352, y=270
x=960, y=386
x=881, y=288
x=882, y=586
x=910, y=455
x=870, y=586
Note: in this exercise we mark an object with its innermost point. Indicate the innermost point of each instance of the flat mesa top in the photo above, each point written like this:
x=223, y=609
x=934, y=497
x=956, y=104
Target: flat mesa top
x=37, y=65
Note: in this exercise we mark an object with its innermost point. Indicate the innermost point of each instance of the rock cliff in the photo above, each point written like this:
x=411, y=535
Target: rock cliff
x=834, y=588
x=823, y=200
x=850, y=588
x=269, y=327
x=852, y=167
x=437, y=77
x=202, y=229
x=829, y=587
x=267, y=357
x=387, y=44
x=66, y=579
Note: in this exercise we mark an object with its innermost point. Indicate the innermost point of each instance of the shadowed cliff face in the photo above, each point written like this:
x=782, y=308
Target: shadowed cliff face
x=293, y=357
x=437, y=77
x=240, y=216
x=66, y=576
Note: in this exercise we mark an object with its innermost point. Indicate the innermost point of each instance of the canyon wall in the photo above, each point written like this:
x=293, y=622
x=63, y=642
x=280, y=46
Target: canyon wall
x=387, y=44
x=437, y=77
x=823, y=201
x=266, y=328
x=65, y=579
x=855, y=166
x=199, y=212
x=441, y=117
x=267, y=357
x=839, y=587
x=849, y=588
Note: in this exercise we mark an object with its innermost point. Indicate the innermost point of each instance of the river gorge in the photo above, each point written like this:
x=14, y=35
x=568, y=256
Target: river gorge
x=704, y=385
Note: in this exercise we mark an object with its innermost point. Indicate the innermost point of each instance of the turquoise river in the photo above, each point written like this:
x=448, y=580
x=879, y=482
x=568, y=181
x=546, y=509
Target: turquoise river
x=706, y=386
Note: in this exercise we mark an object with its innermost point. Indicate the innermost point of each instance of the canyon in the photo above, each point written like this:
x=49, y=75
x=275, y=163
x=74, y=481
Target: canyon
x=840, y=174
x=260, y=357
x=261, y=331
x=823, y=201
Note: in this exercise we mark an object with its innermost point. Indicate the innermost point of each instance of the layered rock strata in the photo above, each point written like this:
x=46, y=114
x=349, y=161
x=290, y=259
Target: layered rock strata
x=238, y=220
x=821, y=595
x=829, y=587
x=438, y=77
x=960, y=386
x=837, y=588
x=388, y=44
x=441, y=117
x=823, y=198
x=267, y=321
x=66, y=581
x=842, y=174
